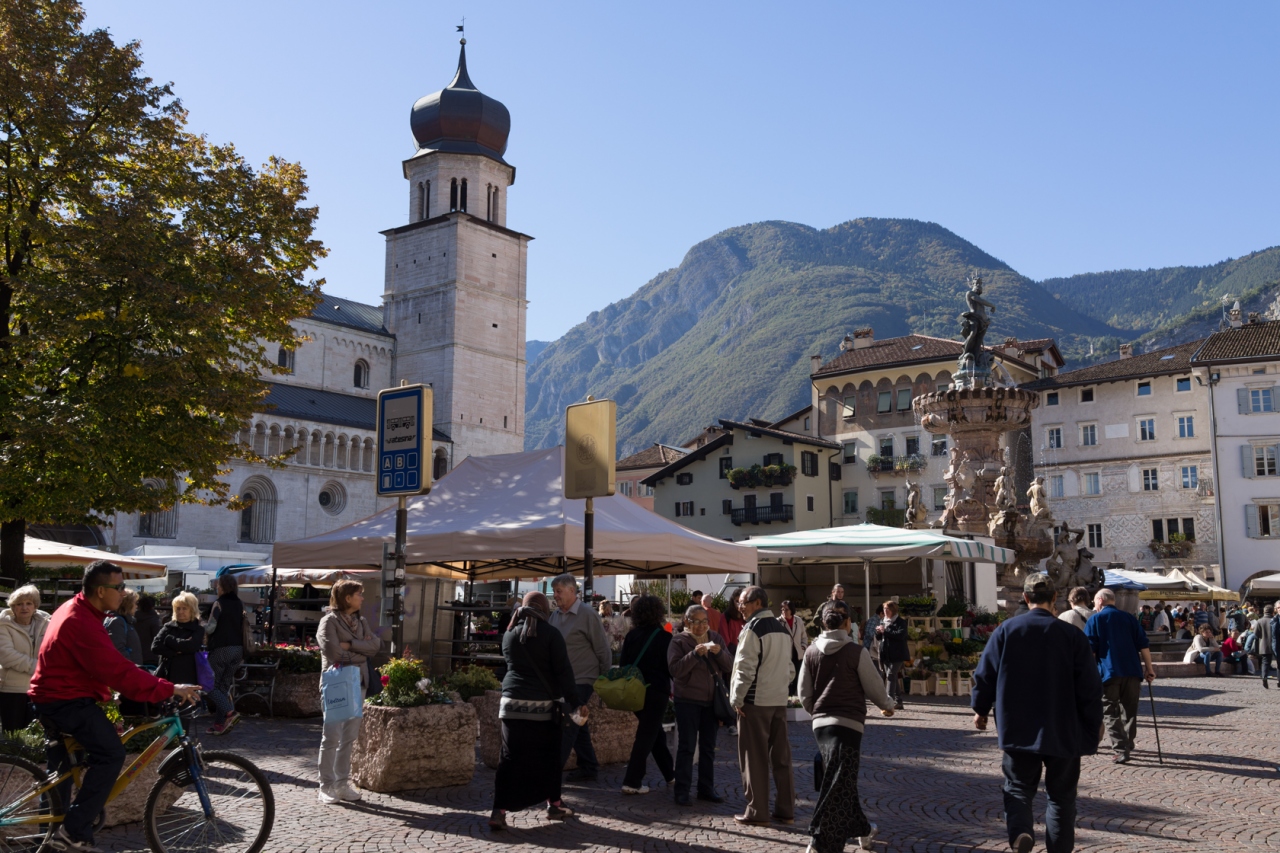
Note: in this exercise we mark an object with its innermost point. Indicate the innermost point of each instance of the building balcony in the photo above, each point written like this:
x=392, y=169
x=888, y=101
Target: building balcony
x=886, y=517
x=763, y=514
x=878, y=465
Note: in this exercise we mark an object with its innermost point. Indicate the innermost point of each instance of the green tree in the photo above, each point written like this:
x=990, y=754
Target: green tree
x=147, y=279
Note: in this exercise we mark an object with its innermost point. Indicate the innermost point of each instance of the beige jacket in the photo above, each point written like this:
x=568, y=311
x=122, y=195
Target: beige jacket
x=335, y=630
x=18, y=650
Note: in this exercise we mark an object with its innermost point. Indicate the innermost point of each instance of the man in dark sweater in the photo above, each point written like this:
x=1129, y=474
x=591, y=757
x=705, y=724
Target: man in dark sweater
x=1038, y=672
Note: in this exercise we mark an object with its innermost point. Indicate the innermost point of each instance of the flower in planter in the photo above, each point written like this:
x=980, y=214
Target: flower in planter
x=405, y=684
x=386, y=679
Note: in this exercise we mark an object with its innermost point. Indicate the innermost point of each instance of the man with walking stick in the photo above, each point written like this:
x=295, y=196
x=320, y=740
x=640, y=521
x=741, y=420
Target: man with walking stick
x=1124, y=659
x=1038, y=673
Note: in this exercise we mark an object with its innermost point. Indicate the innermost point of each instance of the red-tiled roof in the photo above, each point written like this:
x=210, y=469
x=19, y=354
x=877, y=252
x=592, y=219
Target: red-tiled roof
x=907, y=349
x=650, y=457
x=797, y=437
x=1250, y=341
x=1155, y=363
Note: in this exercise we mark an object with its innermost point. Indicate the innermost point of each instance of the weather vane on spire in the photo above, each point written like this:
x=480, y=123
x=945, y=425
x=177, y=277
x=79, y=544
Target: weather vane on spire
x=463, y=26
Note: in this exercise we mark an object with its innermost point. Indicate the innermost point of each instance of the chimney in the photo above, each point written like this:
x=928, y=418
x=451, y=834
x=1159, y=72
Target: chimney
x=1234, y=316
x=1253, y=317
x=1126, y=350
x=815, y=363
x=846, y=344
x=863, y=338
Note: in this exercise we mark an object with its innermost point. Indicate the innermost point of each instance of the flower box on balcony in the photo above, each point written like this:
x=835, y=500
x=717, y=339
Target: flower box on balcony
x=1171, y=550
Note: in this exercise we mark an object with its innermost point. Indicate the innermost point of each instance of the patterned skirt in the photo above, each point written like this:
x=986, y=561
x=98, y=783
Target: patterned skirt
x=838, y=815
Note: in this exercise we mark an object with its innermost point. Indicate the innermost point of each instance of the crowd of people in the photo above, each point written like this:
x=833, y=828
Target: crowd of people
x=1243, y=635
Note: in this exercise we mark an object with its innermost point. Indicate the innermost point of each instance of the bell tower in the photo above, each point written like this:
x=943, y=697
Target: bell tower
x=455, y=274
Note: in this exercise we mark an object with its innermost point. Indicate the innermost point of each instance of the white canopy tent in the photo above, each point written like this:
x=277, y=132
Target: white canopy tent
x=869, y=543
x=506, y=516
x=267, y=575
x=45, y=554
x=1265, y=585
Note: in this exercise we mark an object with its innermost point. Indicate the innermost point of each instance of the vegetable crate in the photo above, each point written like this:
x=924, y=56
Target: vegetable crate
x=943, y=684
x=924, y=623
x=964, y=684
x=950, y=625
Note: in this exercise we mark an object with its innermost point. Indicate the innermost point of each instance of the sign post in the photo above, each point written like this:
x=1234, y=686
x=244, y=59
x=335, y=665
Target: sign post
x=590, y=459
x=404, y=454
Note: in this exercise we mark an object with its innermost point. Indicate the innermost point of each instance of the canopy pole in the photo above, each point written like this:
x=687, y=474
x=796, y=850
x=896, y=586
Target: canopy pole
x=397, y=600
x=866, y=586
x=271, y=608
x=588, y=549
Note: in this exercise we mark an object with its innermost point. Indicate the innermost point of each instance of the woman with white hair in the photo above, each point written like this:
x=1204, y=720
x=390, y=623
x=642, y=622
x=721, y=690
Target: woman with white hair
x=22, y=627
x=178, y=641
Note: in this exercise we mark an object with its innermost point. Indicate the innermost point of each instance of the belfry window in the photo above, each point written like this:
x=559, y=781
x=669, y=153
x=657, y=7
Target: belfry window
x=453, y=194
x=488, y=202
x=424, y=200
x=463, y=205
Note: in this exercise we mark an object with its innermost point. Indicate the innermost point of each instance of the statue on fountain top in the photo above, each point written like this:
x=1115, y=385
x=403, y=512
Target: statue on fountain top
x=974, y=362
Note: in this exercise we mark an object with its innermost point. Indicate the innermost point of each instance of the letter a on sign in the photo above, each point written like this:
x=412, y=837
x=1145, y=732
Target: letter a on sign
x=590, y=449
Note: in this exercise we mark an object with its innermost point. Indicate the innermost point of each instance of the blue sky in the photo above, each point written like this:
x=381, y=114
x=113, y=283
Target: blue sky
x=1064, y=138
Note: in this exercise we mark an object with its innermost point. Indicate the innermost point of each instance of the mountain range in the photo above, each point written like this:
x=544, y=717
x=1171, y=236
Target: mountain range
x=729, y=332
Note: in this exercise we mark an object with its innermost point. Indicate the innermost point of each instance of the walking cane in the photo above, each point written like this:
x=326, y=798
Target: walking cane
x=1151, y=692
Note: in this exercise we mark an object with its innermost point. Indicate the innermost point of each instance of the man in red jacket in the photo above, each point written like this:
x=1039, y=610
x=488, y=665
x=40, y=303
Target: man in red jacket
x=76, y=668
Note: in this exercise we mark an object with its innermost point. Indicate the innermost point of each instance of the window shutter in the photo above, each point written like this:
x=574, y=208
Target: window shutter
x=1251, y=521
x=1242, y=400
x=677, y=509
x=835, y=471
x=1246, y=460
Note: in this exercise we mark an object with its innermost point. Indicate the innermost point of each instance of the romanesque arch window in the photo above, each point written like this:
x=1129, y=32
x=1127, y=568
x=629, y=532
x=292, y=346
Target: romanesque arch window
x=493, y=205
x=368, y=455
x=316, y=442
x=330, y=444
x=274, y=447
x=258, y=518
x=260, y=439
x=439, y=465
x=424, y=199
x=463, y=197
x=453, y=194
x=361, y=378
x=161, y=524
x=284, y=358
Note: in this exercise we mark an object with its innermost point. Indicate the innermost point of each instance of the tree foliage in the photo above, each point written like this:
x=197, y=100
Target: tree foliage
x=147, y=275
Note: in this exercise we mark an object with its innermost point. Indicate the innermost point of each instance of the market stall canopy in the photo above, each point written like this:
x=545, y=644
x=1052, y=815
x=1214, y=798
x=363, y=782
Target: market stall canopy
x=42, y=553
x=1212, y=592
x=1114, y=580
x=873, y=542
x=1175, y=586
x=506, y=516
x=262, y=576
x=1267, y=584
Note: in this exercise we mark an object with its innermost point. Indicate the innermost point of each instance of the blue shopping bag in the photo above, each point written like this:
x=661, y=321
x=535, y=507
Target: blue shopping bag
x=340, y=694
x=204, y=672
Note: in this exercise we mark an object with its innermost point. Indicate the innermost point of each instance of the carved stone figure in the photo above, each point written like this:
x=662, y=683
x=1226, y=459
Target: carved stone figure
x=1039, y=502
x=916, y=513
x=974, y=322
x=947, y=521
x=1004, y=490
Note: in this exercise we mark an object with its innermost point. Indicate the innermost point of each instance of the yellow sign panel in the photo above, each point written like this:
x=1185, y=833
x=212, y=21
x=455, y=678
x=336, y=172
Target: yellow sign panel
x=590, y=449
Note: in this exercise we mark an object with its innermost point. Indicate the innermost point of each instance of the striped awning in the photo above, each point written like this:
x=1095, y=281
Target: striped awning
x=874, y=542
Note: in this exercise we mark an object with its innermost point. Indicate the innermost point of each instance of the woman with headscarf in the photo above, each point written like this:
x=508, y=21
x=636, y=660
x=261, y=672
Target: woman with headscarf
x=536, y=691
x=836, y=680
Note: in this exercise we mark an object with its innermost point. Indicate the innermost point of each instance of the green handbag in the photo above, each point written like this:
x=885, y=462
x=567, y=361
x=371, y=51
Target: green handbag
x=622, y=687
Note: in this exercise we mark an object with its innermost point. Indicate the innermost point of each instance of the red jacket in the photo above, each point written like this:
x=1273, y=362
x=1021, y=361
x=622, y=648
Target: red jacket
x=77, y=660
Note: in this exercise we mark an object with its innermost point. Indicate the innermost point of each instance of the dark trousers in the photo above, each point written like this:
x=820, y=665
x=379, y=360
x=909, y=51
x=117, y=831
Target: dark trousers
x=1264, y=667
x=763, y=746
x=83, y=720
x=15, y=711
x=696, y=727
x=1120, y=706
x=578, y=738
x=1022, y=778
x=650, y=740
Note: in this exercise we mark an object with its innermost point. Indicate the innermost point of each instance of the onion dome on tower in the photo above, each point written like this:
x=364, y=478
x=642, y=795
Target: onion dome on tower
x=461, y=119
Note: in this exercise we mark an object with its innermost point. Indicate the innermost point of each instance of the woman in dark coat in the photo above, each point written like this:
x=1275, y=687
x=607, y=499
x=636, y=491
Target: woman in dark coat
x=178, y=641
x=536, y=690
x=645, y=648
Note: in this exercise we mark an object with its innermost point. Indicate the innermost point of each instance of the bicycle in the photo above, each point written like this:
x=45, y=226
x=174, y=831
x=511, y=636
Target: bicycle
x=202, y=801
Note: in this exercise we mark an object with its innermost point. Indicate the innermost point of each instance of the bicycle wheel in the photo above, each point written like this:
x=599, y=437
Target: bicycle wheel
x=243, y=808
x=21, y=831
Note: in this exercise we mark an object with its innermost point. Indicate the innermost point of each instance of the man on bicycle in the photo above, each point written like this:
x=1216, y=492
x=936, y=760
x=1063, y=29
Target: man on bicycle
x=76, y=668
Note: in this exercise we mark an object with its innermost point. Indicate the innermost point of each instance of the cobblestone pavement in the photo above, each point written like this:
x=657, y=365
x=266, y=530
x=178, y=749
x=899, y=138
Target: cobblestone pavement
x=929, y=780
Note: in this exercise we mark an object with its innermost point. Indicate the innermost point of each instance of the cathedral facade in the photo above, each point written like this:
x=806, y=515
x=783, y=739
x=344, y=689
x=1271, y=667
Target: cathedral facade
x=452, y=316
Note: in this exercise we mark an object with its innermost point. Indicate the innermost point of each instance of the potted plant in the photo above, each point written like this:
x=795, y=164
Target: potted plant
x=414, y=734
x=917, y=605
x=1178, y=546
x=612, y=732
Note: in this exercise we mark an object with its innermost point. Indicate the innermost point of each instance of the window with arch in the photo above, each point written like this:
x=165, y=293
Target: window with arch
x=462, y=197
x=161, y=524
x=424, y=199
x=440, y=465
x=453, y=194
x=494, y=205
x=284, y=358
x=488, y=202
x=361, y=377
x=258, y=517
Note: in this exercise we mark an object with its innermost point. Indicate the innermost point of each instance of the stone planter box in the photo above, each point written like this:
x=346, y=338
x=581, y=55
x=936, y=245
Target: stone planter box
x=298, y=694
x=612, y=732
x=404, y=749
x=798, y=715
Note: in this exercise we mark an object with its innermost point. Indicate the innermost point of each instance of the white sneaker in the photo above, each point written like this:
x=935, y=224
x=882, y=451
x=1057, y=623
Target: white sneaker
x=627, y=789
x=346, y=792
x=327, y=797
x=865, y=841
x=61, y=841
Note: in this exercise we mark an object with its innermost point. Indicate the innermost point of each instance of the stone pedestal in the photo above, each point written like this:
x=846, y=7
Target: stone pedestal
x=403, y=749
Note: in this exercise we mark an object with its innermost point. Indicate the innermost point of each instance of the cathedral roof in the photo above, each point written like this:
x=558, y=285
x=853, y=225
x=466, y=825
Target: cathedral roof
x=461, y=119
x=326, y=407
x=353, y=315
